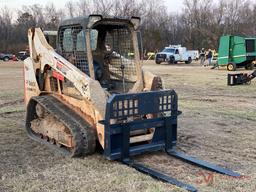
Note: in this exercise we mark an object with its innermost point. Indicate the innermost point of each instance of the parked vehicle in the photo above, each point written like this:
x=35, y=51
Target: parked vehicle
x=22, y=55
x=194, y=54
x=236, y=51
x=173, y=54
x=7, y=57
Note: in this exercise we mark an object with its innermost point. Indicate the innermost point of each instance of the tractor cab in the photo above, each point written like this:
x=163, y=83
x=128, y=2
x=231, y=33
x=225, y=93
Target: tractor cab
x=106, y=49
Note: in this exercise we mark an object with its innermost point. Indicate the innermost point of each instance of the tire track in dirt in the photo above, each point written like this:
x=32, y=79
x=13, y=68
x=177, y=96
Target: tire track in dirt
x=224, y=151
x=15, y=102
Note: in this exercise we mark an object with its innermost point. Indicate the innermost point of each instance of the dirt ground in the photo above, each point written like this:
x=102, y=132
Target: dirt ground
x=218, y=124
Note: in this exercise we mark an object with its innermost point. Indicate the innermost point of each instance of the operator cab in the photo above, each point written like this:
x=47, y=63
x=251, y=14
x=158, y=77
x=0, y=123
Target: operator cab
x=111, y=47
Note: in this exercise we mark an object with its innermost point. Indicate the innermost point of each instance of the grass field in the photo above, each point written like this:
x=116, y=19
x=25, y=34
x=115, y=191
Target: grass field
x=218, y=124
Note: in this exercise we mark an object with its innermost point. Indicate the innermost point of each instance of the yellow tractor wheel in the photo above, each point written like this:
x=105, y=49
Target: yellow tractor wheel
x=231, y=67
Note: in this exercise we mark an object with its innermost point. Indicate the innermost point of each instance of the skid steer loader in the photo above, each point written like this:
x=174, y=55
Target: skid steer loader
x=92, y=89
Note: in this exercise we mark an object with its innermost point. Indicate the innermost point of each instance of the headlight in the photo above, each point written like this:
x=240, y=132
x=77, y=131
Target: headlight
x=136, y=22
x=93, y=19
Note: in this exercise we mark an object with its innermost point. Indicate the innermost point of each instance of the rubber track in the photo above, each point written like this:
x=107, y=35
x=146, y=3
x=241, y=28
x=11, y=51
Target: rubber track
x=83, y=135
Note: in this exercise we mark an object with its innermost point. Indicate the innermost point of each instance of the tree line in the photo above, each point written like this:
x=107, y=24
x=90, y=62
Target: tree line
x=200, y=23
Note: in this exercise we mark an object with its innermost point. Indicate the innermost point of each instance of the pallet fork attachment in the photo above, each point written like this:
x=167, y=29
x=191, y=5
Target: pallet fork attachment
x=117, y=135
x=240, y=78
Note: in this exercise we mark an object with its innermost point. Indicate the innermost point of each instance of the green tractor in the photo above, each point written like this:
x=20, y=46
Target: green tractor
x=236, y=52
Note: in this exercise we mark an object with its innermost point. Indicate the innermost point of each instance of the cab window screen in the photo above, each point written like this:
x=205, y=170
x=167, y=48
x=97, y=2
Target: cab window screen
x=73, y=46
x=67, y=40
x=81, y=45
x=122, y=65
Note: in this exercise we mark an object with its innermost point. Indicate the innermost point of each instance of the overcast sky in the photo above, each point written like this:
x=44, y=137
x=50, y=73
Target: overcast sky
x=172, y=5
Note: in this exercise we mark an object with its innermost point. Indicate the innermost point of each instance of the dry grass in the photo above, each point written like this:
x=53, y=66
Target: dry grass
x=218, y=125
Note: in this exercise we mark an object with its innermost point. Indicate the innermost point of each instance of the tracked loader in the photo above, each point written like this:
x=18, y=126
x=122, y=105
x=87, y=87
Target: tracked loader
x=92, y=89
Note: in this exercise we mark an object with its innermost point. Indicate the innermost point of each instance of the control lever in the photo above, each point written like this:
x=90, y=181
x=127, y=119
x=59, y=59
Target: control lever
x=122, y=69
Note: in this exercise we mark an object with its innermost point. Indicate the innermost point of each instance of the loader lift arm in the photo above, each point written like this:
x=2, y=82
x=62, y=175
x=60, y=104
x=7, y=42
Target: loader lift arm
x=240, y=78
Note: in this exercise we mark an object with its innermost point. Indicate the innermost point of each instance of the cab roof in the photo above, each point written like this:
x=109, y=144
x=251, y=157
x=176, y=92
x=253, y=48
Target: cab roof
x=84, y=20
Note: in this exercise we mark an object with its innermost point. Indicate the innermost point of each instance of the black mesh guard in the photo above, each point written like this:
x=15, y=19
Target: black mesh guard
x=119, y=41
x=73, y=46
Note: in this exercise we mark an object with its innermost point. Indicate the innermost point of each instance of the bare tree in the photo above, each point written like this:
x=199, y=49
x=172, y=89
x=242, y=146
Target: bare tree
x=70, y=5
x=200, y=24
x=103, y=7
x=6, y=29
x=85, y=7
x=52, y=16
x=127, y=8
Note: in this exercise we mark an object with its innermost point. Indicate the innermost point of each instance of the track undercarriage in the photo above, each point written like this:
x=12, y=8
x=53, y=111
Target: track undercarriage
x=52, y=123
